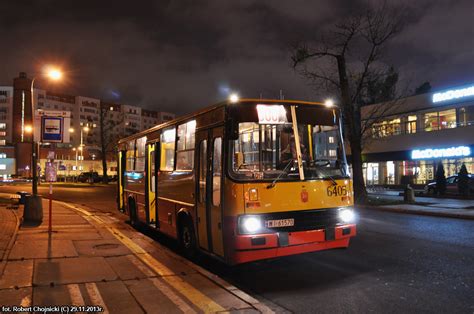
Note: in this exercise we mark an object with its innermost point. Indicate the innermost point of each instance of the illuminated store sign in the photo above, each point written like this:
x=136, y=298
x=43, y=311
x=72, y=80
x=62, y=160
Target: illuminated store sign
x=454, y=94
x=459, y=151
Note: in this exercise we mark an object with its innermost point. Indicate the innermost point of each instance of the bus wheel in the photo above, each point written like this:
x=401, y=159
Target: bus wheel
x=132, y=210
x=187, y=239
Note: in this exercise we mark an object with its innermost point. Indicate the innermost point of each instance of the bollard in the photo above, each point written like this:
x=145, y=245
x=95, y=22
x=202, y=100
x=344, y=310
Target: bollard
x=33, y=211
x=409, y=195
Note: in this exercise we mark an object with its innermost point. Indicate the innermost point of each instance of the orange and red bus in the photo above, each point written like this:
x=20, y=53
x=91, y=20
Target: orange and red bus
x=242, y=180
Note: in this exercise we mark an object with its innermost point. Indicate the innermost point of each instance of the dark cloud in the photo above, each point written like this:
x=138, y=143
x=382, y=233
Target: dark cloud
x=182, y=55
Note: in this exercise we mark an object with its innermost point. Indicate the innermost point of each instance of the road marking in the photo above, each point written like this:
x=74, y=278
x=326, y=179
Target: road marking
x=95, y=296
x=172, y=296
x=196, y=297
x=144, y=269
x=75, y=294
x=191, y=293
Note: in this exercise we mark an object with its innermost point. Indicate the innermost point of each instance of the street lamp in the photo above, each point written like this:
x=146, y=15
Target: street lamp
x=55, y=75
x=83, y=129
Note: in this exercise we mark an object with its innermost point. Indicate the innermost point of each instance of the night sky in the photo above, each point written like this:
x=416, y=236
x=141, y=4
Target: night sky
x=182, y=55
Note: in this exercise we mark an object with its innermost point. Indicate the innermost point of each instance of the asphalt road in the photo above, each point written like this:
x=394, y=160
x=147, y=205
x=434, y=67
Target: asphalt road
x=397, y=264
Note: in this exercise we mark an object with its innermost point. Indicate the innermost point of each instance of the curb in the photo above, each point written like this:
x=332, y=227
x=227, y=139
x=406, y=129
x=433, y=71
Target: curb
x=258, y=305
x=418, y=212
x=4, y=258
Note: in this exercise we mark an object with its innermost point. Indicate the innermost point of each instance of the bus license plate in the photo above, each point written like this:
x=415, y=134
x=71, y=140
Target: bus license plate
x=280, y=223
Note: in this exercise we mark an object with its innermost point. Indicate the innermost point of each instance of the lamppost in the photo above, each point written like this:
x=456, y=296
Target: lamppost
x=86, y=129
x=55, y=75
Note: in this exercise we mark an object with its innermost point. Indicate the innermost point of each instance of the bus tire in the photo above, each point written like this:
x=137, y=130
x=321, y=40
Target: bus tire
x=132, y=210
x=187, y=238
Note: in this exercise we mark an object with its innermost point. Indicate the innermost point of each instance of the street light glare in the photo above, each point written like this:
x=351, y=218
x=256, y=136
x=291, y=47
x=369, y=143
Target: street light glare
x=234, y=98
x=329, y=103
x=55, y=74
x=86, y=129
x=28, y=129
x=71, y=130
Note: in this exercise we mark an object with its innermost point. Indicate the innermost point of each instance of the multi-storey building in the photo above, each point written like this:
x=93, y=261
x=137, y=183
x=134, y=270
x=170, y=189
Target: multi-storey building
x=416, y=133
x=119, y=120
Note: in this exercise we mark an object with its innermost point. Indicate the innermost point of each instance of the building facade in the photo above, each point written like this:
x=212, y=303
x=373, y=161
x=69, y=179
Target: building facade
x=119, y=120
x=415, y=134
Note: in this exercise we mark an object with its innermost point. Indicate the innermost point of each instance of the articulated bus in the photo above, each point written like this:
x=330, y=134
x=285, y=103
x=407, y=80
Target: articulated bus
x=242, y=180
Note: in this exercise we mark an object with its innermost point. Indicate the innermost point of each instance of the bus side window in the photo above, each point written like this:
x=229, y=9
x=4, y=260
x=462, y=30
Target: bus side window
x=152, y=169
x=202, y=171
x=216, y=172
x=167, y=149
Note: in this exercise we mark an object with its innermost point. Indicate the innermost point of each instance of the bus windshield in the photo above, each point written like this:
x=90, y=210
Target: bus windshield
x=266, y=149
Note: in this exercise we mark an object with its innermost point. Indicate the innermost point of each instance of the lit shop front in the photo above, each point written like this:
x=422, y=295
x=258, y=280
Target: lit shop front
x=406, y=144
x=417, y=166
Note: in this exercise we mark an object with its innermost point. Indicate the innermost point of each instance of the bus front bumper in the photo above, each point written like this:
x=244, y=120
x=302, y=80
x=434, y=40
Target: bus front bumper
x=264, y=246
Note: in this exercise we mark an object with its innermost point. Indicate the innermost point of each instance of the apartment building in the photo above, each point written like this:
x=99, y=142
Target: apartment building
x=414, y=134
x=16, y=117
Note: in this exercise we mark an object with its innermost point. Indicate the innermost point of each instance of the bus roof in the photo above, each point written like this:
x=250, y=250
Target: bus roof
x=210, y=108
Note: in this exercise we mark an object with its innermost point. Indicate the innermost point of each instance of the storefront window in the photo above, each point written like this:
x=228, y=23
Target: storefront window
x=411, y=124
x=386, y=128
x=431, y=121
x=447, y=119
x=466, y=116
x=390, y=179
x=372, y=173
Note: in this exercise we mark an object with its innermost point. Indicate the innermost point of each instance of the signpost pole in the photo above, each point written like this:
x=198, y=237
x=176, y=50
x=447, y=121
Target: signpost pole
x=50, y=226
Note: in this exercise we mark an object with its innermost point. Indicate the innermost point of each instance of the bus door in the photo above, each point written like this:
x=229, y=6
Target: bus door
x=120, y=177
x=152, y=180
x=209, y=196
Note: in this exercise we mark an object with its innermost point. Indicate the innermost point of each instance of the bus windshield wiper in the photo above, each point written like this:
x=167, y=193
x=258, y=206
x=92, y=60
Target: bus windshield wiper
x=284, y=171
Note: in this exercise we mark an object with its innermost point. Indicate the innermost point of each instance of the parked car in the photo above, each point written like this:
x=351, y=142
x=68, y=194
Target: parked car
x=451, y=185
x=89, y=177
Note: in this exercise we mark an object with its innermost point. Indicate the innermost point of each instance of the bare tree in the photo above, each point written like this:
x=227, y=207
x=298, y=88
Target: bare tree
x=110, y=133
x=347, y=63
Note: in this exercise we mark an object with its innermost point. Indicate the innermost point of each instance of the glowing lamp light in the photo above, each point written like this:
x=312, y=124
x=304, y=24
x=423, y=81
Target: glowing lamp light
x=347, y=215
x=71, y=130
x=86, y=129
x=28, y=129
x=252, y=224
x=329, y=103
x=55, y=74
x=233, y=98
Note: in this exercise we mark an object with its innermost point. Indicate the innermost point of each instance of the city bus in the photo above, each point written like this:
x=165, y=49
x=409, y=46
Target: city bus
x=242, y=180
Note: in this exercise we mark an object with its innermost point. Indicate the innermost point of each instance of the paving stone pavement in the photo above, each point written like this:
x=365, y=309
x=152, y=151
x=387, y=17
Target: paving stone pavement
x=8, y=223
x=93, y=259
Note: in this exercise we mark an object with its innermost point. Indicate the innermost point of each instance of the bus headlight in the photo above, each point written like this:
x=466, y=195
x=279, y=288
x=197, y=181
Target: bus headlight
x=346, y=215
x=250, y=224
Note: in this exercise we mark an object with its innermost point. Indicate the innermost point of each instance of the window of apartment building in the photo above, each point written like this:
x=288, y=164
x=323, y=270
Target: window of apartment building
x=3, y=110
x=466, y=116
x=3, y=126
x=3, y=93
x=411, y=124
x=3, y=167
x=185, y=149
x=386, y=128
x=3, y=142
x=168, y=138
x=3, y=133
x=440, y=120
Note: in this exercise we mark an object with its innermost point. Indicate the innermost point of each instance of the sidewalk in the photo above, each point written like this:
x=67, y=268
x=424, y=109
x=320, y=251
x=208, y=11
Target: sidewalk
x=94, y=259
x=430, y=206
